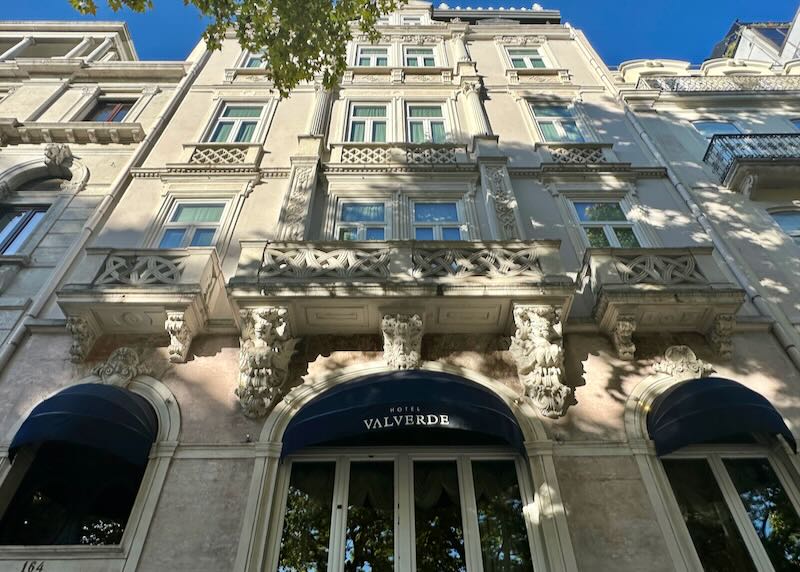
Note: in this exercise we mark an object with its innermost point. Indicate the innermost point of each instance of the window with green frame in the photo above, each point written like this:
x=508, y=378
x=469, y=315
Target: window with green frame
x=426, y=124
x=605, y=224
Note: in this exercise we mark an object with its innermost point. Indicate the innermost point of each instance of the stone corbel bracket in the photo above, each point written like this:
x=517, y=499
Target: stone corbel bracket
x=538, y=350
x=720, y=335
x=402, y=340
x=181, y=325
x=84, y=331
x=266, y=349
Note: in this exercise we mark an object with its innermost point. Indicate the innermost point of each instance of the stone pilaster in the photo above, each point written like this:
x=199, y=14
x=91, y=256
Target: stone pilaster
x=317, y=123
x=402, y=340
x=496, y=184
x=471, y=88
x=294, y=218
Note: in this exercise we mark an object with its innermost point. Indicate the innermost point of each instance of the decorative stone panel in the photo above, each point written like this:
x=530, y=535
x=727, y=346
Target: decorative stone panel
x=402, y=340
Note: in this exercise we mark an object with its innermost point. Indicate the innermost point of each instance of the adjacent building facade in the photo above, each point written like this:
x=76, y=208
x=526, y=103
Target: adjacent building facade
x=486, y=305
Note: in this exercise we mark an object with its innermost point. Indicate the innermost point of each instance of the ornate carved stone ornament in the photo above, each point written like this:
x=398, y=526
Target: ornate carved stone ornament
x=537, y=348
x=720, y=336
x=180, y=333
x=121, y=367
x=402, y=340
x=296, y=209
x=505, y=203
x=681, y=363
x=622, y=336
x=5, y=190
x=83, y=337
x=265, y=352
x=57, y=156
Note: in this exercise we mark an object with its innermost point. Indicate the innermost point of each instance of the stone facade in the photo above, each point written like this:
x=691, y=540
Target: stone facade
x=547, y=229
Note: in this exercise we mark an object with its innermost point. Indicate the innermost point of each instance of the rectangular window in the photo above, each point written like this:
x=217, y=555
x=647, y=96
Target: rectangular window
x=372, y=57
x=382, y=21
x=426, y=124
x=236, y=124
x=419, y=57
x=412, y=20
x=367, y=124
x=192, y=224
x=556, y=123
x=526, y=58
x=438, y=221
x=362, y=221
x=437, y=517
x=789, y=221
x=16, y=225
x=369, y=536
x=256, y=60
x=605, y=224
x=710, y=128
x=109, y=111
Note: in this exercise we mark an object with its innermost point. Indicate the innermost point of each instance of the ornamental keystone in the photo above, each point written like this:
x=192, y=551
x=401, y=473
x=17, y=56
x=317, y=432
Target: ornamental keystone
x=402, y=340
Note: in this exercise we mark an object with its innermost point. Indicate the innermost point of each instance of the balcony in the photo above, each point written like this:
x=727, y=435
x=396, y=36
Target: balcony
x=716, y=84
x=661, y=290
x=345, y=287
x=143, y=292
x=752, y=163
x=557, y=155
x=13, y=132
x=418, y=155
x=228, y=157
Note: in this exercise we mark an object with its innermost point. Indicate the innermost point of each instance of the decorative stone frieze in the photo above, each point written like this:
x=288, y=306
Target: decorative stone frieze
x=180, y=332
x=720, y=336
x=83, y=334
x=265, y=352
x=681, y=363
x=622, y=336
x=537, y=348
x=402, y=340
x=505, y=204
x=121, y=367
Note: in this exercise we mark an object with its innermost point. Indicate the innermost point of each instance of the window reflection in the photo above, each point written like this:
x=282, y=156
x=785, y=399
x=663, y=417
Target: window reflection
x=369, y=540
x=437, y=517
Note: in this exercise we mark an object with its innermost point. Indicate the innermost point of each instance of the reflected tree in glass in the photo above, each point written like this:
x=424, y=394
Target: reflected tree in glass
x=369, y=540
x=307, y=522
x=774, y=518
x=437, y=517
x=714, y=534
x=504, y=538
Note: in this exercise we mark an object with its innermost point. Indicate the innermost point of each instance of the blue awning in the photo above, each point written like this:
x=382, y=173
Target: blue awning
x=404, y=407
x=109, y=418
x=708, y=409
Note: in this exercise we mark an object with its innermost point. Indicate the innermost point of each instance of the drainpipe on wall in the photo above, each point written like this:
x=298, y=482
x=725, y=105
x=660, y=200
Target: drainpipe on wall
x=100, y=213
x=782, y=328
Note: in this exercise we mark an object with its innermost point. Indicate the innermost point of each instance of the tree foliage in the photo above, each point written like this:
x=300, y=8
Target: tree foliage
x=301, y=39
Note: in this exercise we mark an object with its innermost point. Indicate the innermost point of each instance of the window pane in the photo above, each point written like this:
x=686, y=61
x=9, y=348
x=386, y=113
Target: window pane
x=789, y=221
x=597, y=237
x=374, y=51
x=255, y=62
x=538, y=62
x=246, y=131
x=411, y=62
x=711, y=128
x=420, y=51
x=429, y=62
x=546, y=110
x=423, y=233
x=381, y=61
x=24, y=233
x=523, y=51
x=203, y=237
x=348, y=234
x=417, y=132
x=369, y=538
x=307, y=522
x=363, y=62
x=357, y=131
x=572, y=131
x=435, y=212
x=770, y=510
x=172, y=238
x=369, y=111
x=626, y=237
x=242, y=111
x=376, y=234
x=101, y=112
x=437, y=517
x=362, y=212
x=8, y=223
x=378, y=132
x=504, y=537
x=518, y=62
x=221, y=132
x=425, y=111
x=594, y=212
x=437, y=132
x=550, y=131
x=198, y=213
x=450, y=233
x=711, y=526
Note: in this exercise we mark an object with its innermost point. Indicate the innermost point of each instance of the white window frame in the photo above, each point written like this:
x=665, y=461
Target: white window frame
x=372, y=57
x=714, y=456
x=412, y=20
x=237, y=121
x=462, y=224
x=191, y=227
x=794, y=235
x=694, y=123
x=368, y=121
x=557, y=122
x=403, y=462
x=249, y=56
x=361, y=227
x=426, y=121
x=419, y=58
x=527, y=58
x=607, y=226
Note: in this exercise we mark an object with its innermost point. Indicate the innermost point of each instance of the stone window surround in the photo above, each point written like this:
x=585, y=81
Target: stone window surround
x=573, y=103
x=244, y=57
x=141, y=96
x=367, y=133
x=221, y=99
x=168, y=223
x=387, y=213
x=420, y=58
x=396, y=52
x=628, y=223
x=793, y=207
x=541, y=45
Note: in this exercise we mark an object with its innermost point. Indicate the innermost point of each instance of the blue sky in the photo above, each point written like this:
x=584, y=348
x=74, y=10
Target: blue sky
x=619, y=29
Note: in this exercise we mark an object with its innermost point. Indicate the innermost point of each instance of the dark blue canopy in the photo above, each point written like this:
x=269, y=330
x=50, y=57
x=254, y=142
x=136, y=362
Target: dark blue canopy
x=404, y=407
x=708, y=409
x=109, y=418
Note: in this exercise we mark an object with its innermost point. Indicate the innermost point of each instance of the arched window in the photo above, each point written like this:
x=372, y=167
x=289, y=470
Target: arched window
x=789, y=221
x=78, y=462
x=403, y=471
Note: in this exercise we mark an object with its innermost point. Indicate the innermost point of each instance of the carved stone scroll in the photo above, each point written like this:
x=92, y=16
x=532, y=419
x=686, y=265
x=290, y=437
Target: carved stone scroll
x=537, y=348
x=83, y=334
x=180, y=332
x=402, y=340
x=265, y=352
x=121, y=367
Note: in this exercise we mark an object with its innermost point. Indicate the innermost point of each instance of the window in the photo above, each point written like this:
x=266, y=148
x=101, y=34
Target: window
x=412, y=20
x=109, y=111
x=435, y=499
x=256, y=60
x=236, y=124
x=372, y=57
x=367, y=124
x=426, y=124
x=382, y=21
x=362, y=221
x=789, y=221
x=737, y=510
x=192, y=224
x=710, y=128
x=438, y=221
x=556, y=123
x=526, y=58
x=605, y=224
x=796, y=123
x=419, y=57
x=17, y=225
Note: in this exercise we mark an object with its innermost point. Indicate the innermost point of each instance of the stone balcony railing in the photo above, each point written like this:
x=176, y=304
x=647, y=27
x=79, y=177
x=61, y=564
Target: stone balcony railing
x=576, y=153
x=711, y=84
x=431, y=154
x=734, y=157
x=228, y=156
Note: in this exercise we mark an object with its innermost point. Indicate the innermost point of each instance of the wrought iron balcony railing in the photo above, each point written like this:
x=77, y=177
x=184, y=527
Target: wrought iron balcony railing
x=709, y=84
x=725, y=151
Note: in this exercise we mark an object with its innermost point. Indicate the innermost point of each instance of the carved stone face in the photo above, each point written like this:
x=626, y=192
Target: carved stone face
x=120, y=368
x=402, y=340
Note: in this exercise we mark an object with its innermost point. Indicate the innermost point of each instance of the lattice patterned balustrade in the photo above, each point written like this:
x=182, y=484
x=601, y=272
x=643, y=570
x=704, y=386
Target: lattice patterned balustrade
x=322, y=262
x=218, y=155
x=725, y=150
x=430, y=155
x=663, y=269
x=700, y=84
x=381, y=154
x=137, y=270
x=494, y=262
x=358, y=154
x=577, y=155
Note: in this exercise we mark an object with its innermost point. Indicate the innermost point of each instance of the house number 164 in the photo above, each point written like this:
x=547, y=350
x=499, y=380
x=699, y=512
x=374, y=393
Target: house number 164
x=33, y=566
